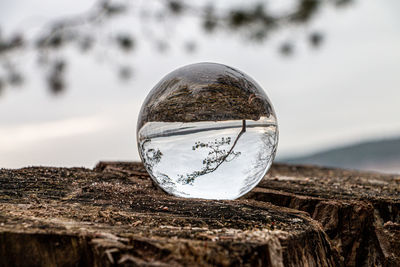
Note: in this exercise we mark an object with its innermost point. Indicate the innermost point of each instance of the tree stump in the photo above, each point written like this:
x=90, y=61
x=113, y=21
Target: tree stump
x=359, y=211
x=114, y=215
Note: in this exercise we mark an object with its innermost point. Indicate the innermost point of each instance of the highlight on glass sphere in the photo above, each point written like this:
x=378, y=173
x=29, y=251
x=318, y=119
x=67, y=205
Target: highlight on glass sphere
x=208, y=131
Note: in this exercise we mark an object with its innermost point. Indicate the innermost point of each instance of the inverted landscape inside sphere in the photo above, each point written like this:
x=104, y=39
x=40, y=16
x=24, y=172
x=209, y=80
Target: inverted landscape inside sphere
x=205, y=92
x=207, y=130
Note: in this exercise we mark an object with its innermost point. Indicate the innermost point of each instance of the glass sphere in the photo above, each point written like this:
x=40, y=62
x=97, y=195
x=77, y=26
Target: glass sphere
x=208, y=131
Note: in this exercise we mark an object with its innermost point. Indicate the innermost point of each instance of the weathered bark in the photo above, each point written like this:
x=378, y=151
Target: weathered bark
x=359, y=211
x=114, y=215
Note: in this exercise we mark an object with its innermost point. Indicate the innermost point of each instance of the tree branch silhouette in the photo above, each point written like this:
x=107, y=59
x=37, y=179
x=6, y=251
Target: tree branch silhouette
x=252, y=20
x=220, y=156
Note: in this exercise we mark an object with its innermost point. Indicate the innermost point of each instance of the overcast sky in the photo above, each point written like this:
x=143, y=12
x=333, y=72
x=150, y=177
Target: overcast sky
x=346, y=91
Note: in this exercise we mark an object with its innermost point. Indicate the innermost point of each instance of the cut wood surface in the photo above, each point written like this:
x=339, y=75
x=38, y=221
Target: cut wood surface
x=114, y=215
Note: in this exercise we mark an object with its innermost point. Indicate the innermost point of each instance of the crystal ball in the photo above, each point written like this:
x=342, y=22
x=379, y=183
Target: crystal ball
x=208, y=131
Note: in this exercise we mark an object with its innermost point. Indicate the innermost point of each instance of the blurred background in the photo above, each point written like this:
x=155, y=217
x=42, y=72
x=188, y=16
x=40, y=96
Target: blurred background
x=73, y=74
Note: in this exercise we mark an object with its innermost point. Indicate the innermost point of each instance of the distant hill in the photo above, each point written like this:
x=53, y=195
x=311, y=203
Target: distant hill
x=378, y=155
